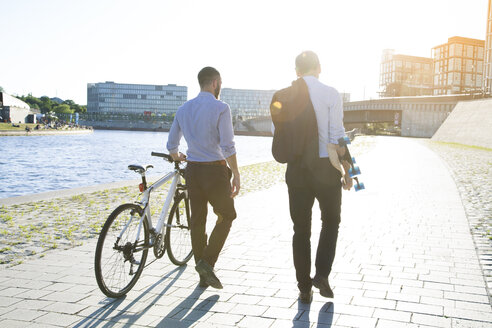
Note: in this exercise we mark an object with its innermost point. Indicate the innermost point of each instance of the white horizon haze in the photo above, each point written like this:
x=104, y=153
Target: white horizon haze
x=56, y=47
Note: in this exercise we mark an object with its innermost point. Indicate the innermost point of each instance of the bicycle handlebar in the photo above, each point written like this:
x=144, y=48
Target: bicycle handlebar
x=165, y=156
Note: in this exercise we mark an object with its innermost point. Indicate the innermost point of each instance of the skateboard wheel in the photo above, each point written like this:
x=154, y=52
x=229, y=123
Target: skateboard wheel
x=353, y=160
x=359, y=186
x=354, y=171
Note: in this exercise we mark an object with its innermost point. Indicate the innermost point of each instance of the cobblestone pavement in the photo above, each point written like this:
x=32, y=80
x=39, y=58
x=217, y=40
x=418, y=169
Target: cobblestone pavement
x=471, y=169
x=405, y=258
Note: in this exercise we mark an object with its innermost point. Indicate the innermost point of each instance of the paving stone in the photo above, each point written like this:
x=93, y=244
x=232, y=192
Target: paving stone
x=256, y=322
x=225, y=319
x=33, y=304
x=431, y=320
x=66, y=308
x=40, y=325
x=59, y=287
x=466, y=297
x=468, y=314
x=13, y=323
x=356, y=321
x=8, y=301
x=57, y=319
x=23, y=314
x=282, y=323
x=282, y=313
x=64, y=297
x=396, y=324
x=248, y=310
x=245, y=299
x=12, y=291
x=419, y=308
x=374, y=302
x=462, y=323
x=392, y=315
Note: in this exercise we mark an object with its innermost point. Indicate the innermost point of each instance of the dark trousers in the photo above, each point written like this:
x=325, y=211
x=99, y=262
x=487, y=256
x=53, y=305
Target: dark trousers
x=303, y=188
x=209, y=184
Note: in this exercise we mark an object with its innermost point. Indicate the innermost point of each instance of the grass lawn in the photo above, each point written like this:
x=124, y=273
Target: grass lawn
x=8, y=126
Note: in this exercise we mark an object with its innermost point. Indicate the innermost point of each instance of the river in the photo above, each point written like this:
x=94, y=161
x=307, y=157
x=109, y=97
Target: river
x=33, y=164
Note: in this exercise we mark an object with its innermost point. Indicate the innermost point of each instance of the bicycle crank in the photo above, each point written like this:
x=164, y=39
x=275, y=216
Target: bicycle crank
x=159, y=247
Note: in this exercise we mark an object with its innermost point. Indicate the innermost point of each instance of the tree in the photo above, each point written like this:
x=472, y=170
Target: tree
x=32, y=101
x=1, y=89
x=62, y=109
x=46, y=105
x=69, y=102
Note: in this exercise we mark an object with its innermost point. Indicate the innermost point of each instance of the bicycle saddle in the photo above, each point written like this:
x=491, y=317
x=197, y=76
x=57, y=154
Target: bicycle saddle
x=139, y=168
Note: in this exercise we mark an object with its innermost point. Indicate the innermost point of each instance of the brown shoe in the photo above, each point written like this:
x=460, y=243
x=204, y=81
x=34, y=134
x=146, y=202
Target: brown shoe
x=306, y=297
x=323, y=285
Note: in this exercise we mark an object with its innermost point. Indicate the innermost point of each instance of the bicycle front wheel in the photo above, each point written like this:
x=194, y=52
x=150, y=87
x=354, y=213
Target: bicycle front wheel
x=178, y=231
x=121, y=251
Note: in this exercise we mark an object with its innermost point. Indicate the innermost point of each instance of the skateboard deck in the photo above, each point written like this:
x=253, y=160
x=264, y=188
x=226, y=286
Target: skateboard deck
x=354, y=170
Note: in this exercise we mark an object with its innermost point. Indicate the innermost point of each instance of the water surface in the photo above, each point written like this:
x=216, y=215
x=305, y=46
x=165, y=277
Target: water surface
x=33, y=164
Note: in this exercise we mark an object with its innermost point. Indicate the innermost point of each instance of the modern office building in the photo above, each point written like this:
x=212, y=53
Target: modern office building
x=119, y=98
x=458, y=66
x=487, y=70
x=403, y=75
x=244, y=102
x=14, y=110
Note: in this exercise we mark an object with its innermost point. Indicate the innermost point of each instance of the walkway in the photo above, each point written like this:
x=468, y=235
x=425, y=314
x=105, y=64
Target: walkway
x=405, y=258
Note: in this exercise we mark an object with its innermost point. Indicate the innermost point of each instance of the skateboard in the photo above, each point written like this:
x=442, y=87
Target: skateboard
x=354, y=170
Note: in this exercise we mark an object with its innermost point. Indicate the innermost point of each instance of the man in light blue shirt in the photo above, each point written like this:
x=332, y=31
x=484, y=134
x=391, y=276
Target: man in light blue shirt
x=206, y=124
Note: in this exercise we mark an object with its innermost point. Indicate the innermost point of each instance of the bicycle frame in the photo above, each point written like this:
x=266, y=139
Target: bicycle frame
x=160, y=225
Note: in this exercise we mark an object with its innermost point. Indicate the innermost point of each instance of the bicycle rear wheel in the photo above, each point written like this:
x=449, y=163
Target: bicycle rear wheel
x=120, y=257
x=178, y=231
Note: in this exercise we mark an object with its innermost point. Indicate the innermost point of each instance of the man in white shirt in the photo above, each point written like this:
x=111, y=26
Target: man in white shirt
x=308, y=120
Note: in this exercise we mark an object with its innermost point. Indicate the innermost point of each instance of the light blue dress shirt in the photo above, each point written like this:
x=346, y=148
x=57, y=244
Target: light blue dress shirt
x=206, y=124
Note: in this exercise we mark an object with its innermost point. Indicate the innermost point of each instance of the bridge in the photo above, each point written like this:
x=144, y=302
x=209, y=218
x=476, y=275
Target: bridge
x=414, y=116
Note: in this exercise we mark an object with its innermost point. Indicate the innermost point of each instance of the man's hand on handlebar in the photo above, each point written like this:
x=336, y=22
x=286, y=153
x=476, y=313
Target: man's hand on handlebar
x=178, y=157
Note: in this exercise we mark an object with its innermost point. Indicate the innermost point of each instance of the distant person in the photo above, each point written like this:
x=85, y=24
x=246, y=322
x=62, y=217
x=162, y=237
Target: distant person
x=307, y=118
x=206, y=124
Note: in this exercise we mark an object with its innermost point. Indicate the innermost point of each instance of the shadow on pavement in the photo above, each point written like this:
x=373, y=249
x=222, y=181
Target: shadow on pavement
x=325, y=316
x=127, y=318
x=180, y=317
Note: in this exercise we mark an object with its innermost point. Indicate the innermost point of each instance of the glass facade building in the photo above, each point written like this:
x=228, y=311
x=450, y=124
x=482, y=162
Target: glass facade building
x=248, y=103
x=458, y=66
x=403, y=75
x=119, y=98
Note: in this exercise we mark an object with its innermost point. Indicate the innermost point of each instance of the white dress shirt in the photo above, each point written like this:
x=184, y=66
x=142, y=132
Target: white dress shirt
x=328, y=107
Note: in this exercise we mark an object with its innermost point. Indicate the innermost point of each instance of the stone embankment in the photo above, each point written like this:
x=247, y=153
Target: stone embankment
x=7, y=133
x=471, y=168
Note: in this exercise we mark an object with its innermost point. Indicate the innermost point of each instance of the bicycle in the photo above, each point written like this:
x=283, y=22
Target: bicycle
x=128, y=233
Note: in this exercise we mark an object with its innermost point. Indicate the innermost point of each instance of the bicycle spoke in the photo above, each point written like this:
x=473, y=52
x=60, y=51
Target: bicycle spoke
x=114, y=262
x=178, y=234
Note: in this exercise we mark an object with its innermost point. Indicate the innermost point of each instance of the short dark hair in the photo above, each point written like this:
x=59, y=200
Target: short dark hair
x=207, y=75
x=306, y=61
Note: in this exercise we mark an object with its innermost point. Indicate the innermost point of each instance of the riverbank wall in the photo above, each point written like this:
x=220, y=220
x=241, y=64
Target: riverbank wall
x=468, y=124
x=242, y=128
x=7, y=133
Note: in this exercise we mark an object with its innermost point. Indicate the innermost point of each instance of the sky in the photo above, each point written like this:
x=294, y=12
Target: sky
x=56, y=47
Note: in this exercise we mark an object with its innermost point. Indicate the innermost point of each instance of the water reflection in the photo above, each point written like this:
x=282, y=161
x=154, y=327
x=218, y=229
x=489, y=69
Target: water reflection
x=42, y=163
